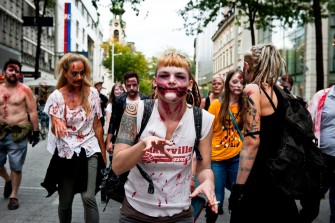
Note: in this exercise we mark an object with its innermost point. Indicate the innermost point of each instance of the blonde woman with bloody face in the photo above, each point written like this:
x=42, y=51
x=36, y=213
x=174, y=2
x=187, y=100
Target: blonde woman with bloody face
x=75, y=139
x=216, y=93
x=164, y=150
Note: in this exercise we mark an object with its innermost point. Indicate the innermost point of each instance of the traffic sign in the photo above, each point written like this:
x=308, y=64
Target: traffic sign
x=33, y=21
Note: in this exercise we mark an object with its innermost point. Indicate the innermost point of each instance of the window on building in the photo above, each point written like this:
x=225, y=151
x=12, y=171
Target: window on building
x=223, y=60
x=232, y=32
x=83, y=36
x=239, y=51
x=77, y=29
x=231, y=55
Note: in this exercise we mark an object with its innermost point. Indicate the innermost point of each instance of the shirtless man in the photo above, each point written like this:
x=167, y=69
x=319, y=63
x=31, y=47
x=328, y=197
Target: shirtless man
x=16, y=100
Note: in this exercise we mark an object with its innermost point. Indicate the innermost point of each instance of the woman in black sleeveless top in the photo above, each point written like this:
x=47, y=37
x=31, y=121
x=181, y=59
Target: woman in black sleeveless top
x=255, y=197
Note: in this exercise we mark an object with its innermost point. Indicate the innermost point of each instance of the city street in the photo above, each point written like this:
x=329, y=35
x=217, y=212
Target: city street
x=35, y=208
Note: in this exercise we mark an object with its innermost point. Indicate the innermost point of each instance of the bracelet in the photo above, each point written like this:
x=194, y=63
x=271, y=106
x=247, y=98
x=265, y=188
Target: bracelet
x=193, y=177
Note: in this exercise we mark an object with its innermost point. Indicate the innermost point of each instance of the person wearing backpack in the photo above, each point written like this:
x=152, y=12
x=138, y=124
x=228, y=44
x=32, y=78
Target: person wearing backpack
x=322, y=111
x=227, y=137
x=164, y=149
x=255, y=196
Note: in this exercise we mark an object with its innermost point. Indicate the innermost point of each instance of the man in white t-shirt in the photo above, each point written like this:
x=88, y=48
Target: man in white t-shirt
x=132, y=95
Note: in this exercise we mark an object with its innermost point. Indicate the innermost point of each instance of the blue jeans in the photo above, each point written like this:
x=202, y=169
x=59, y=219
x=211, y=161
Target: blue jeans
x=225, y=173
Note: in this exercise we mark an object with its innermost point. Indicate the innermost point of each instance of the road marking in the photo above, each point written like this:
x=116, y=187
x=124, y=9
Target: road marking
x=30, y=188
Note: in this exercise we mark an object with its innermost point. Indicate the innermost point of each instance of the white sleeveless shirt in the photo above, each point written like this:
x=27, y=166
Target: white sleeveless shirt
x=171, y=178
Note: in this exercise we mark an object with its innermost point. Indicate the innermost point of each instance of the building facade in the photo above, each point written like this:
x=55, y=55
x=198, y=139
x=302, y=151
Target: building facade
x=296, y=44
x=230, y=42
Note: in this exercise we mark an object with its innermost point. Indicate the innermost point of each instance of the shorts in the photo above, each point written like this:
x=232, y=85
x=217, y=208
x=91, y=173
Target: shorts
x=16, y=152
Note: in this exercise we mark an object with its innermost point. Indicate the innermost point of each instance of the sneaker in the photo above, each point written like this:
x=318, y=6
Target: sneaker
x=13, y=204
x=8, y=189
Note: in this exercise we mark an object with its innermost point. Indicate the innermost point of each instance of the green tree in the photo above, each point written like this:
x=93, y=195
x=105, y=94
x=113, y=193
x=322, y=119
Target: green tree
x=260, y=14
x=127, y=59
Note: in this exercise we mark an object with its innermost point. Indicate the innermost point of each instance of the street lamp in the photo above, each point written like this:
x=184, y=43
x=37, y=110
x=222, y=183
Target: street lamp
x=113, y=55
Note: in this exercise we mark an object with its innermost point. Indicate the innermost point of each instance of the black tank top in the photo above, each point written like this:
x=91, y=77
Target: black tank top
x=270, y=136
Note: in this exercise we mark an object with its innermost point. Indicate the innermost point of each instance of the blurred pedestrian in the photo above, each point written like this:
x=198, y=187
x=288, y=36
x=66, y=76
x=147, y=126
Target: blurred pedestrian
x=103, y=101
x=217, y=89
x=255, y=196
x=287, y=81
x=164, y=149
x=76, y=138
x=227, y=137
x=321, y=108
x=16, y=100
x=116, y=91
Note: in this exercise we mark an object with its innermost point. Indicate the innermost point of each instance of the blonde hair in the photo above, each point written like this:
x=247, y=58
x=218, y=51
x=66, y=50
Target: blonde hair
x=63, y=67
x=173, y=58
x=267, y=64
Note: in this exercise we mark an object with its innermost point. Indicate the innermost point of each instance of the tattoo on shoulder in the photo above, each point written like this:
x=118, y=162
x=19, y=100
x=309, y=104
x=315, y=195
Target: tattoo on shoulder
x=128, y=126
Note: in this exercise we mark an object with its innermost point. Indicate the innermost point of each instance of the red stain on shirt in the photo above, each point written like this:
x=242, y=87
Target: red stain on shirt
x=178, y=176
x=159, y=203
x=133, y=195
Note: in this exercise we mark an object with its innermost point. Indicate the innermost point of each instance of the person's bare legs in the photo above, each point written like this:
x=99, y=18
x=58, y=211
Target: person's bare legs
x=16, y=181
x=4, y=174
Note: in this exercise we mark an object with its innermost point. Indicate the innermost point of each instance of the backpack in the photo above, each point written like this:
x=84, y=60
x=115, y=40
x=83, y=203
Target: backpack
x=298, y=167
x=112, y=186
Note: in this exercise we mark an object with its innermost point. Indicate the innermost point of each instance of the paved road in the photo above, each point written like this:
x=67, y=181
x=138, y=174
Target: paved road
x=35, y=208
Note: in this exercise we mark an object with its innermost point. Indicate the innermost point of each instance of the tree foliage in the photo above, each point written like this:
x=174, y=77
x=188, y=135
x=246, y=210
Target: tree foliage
x=127, y=59
x=251, y=14
x=260, y=14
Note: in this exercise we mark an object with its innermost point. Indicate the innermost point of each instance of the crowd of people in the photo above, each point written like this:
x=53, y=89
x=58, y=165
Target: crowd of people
x=241, y=120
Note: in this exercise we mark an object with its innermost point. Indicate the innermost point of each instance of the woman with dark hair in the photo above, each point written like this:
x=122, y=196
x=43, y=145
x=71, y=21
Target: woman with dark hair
x=164, y=149
x=75, y=139
x=116, y=91
x=227, y=136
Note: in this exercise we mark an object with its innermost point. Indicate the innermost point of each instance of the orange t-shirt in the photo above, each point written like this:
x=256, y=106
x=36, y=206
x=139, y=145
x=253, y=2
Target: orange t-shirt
x=226, y=143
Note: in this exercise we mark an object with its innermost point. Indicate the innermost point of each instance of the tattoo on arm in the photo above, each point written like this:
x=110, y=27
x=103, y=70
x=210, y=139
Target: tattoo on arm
x=253, y=120
x=247, y=157
x=245, y=169
x=128, y=126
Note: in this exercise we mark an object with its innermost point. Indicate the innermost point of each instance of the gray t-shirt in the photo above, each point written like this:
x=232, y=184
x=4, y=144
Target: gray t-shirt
x=327, y=128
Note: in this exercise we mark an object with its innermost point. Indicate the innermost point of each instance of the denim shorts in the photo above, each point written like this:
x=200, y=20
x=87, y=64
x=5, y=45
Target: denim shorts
x=16, y=152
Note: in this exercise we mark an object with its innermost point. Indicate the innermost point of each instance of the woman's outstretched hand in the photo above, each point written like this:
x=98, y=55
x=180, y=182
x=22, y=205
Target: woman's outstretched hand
x=58, y=127
x=158, y=144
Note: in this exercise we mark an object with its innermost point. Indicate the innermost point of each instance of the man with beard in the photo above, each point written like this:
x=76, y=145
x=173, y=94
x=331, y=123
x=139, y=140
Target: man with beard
x=132, y=95
x=16, y=101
